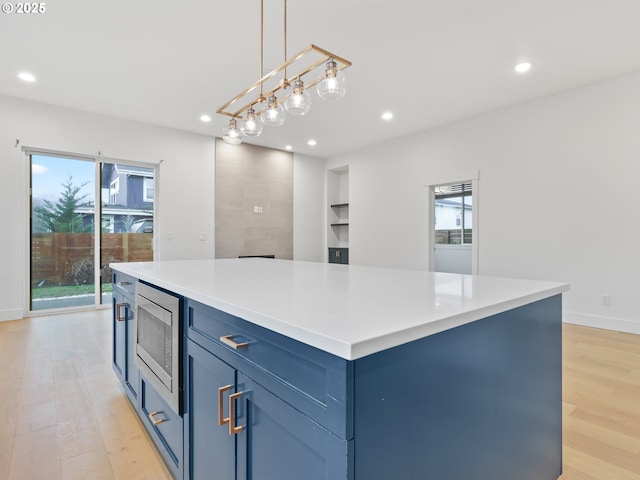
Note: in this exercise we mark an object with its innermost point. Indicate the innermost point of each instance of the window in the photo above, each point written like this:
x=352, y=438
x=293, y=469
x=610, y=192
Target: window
x=114, y=189
x=453, y=214
x=148, y=189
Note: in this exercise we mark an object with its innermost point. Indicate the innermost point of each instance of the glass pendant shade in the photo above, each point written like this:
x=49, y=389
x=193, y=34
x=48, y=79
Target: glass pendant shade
x=252, y=126
x=274, y=115
x=232, y=134
x=299, y=102
x=332, y=84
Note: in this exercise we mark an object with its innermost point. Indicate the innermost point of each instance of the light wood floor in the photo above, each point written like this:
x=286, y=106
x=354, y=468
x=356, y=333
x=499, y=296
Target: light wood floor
x=63, y=414
x=601, y=404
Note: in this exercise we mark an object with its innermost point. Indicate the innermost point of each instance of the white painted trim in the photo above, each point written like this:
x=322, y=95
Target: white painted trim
x=607, y=323
x=475, y=216
x=472, y=176
x=431, y=244
x=26, y=237
x=8, y=315
x=453, y=177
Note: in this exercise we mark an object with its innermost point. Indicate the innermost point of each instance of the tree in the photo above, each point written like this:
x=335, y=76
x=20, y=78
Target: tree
x=61, y=217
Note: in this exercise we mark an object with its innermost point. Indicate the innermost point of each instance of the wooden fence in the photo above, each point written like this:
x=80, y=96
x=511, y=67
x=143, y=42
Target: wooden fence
x=453, y=237
x=68, y=258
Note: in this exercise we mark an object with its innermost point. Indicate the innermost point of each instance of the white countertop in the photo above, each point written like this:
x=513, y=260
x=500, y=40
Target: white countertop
x=349, y=311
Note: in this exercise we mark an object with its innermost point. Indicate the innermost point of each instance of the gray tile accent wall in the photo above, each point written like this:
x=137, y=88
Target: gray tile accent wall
x=248, y=176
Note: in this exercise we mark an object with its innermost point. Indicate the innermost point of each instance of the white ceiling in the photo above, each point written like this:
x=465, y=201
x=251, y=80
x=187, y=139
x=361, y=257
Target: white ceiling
x=430, y=62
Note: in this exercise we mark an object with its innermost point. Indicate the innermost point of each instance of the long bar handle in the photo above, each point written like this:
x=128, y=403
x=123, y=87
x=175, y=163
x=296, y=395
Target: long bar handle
x=119, y=317
x=155, y=421
x=233, y=429
x=221, y=419
x=228, y=340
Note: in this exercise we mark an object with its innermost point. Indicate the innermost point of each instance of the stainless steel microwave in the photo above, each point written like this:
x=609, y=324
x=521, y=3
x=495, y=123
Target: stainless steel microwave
x=158, y=340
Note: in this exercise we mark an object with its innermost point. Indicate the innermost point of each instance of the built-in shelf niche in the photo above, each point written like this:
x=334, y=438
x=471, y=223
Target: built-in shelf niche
x=341, y=211
x=338, y=208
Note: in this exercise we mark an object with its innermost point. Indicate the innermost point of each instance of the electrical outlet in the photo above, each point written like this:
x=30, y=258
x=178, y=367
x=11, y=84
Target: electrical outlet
x=255, y=209
x=259, y=209
x=606, y=300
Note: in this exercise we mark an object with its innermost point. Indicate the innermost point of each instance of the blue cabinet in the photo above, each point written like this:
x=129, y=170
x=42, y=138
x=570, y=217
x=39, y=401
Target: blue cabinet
x=119, y=346
x=479, y=401
x=211, y=449
x=339, y=255
x=123, y=320
x=164, y=425
x=261, y=428
x=279, y=442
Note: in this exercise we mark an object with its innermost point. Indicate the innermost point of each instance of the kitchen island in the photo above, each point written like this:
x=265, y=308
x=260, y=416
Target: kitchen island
x=320, y=371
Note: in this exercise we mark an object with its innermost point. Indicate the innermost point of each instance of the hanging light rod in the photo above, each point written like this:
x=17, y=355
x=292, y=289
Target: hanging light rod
x=265, y=108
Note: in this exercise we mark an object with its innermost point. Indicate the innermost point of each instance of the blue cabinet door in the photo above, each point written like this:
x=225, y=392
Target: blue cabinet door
x=131, y=373
x=119, y=344
x=279, y=442
x=124, y=342
x=211, y=448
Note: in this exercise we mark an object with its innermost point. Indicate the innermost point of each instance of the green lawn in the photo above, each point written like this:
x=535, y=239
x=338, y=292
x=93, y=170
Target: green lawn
x=66, y=291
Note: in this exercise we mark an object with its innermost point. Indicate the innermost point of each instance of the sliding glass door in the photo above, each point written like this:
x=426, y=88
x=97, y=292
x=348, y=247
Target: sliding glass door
x=127, y=209
x=72, y=241
x=62, y=232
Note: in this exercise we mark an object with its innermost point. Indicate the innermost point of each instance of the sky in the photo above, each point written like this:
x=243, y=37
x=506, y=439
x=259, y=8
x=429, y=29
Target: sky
x=49, y=173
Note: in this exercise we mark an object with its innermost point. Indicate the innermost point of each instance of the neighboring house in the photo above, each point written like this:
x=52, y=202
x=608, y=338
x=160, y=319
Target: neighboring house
x=127, y=196
x=448, y=214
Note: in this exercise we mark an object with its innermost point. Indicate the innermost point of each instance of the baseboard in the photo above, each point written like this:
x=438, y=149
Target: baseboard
x=607, y=323
x=15, y=314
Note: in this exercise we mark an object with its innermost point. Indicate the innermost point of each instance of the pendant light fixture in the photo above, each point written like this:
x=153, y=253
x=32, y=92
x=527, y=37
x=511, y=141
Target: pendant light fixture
x=273, y=116
x=232, y=134
x=265, y=108
x=252, y=126
x=332, y=84
x=299, y=102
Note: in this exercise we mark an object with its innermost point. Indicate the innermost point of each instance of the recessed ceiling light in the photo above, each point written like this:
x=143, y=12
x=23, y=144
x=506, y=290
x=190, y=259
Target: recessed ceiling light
x=27, y=77
x=523, y=67
x=312, y=143
x=387, y=116
x=205, y=118
x=288, y=147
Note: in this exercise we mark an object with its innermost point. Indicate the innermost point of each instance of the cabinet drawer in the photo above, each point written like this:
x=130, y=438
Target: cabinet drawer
x=125, y=283
x=315, y=382
x=163, y=423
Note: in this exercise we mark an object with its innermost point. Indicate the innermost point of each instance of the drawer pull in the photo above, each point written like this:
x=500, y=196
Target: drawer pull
x=221, y=419
x=119, y=317
x=233, y=429
x=155, y=421
x=124, y=284
x=228, y=340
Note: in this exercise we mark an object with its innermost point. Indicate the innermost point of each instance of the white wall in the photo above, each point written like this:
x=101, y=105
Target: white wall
x=550, y=171
x=309, y=209
x=186, y=181
x=186, y=190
